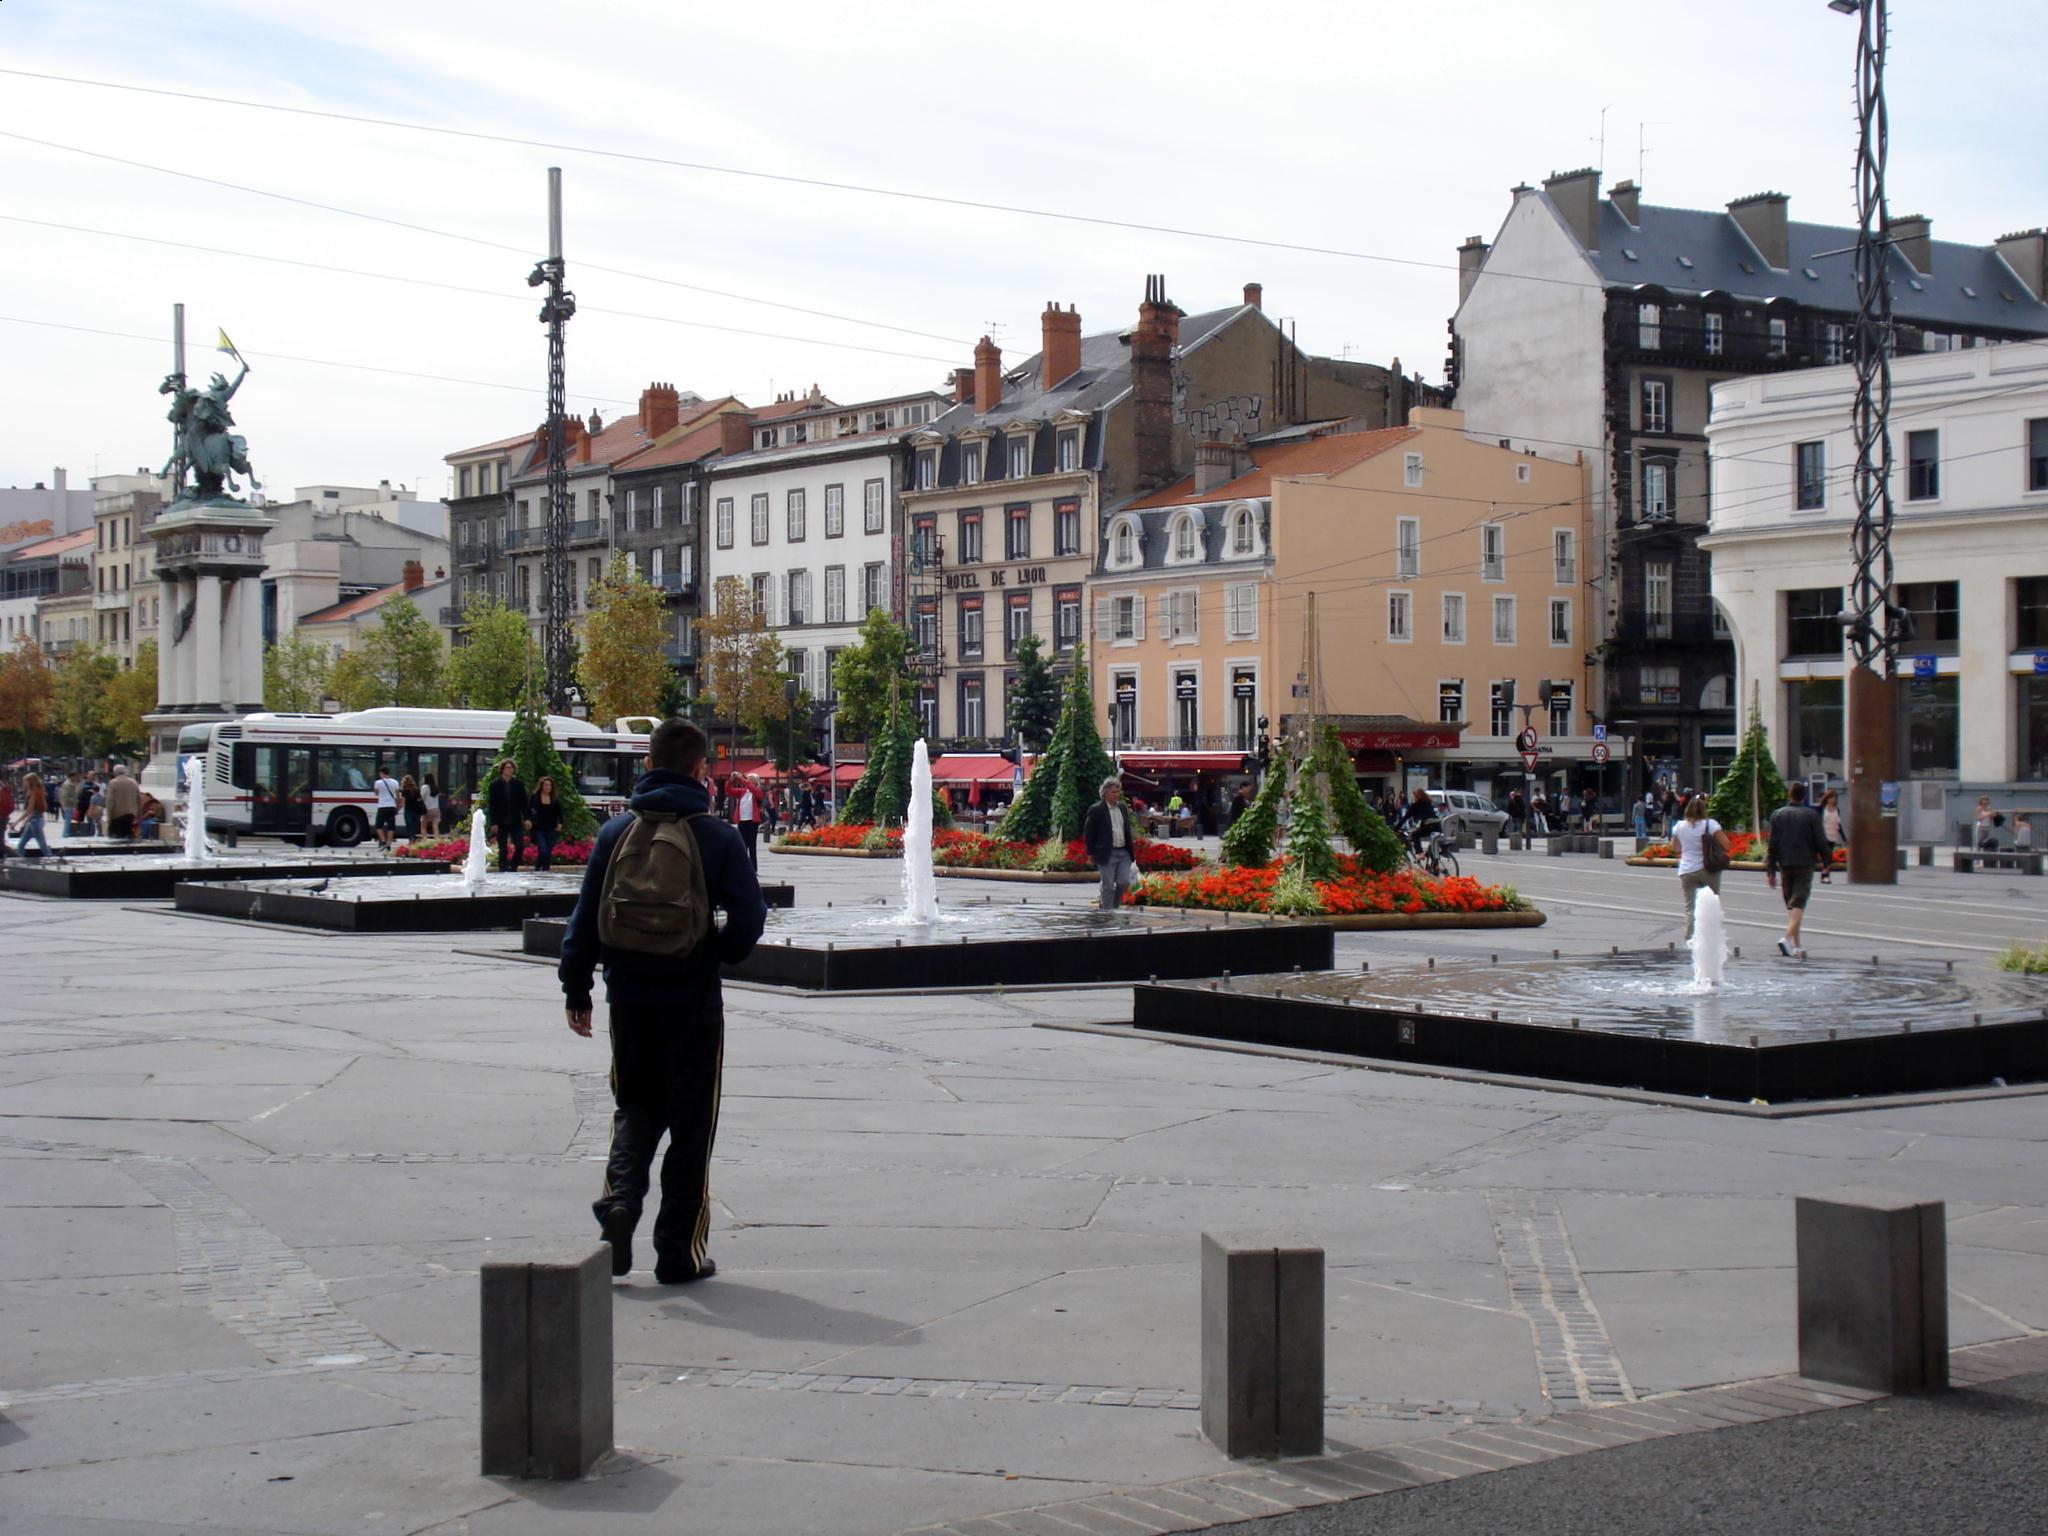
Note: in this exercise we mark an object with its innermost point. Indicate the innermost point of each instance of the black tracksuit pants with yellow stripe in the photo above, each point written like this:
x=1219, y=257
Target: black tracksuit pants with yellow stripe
x=666, y=1065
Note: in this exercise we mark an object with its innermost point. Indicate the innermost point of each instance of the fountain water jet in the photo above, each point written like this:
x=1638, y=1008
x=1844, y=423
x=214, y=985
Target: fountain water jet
x=1709, y=941
x=197, y=848
x=920, y=890
x=479, y=859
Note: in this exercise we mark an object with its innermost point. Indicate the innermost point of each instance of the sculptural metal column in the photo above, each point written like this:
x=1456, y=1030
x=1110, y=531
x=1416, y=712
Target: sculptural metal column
x=559, y=644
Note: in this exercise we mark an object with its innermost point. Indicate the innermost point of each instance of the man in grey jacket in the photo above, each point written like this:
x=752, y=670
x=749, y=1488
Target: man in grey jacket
x=1798, y=846
x=1111, y=838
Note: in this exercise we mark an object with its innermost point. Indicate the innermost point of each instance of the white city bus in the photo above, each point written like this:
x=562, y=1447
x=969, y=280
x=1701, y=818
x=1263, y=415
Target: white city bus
x=311, y=777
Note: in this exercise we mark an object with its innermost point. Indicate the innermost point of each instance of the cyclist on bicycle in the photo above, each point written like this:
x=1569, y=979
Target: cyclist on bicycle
x=1420, y=822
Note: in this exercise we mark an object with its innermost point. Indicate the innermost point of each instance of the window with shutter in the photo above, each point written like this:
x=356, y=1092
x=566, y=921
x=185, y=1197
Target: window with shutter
x=1105, y=616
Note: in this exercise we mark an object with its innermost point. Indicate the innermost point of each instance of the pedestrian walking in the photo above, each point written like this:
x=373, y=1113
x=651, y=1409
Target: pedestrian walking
x=505, y=813
x=1539, y=814
x=1702, y=855
x=1798, y=842
x=6, y=815
x=1831, y=823
x=411, y=807
x=92, y=807
x=744, y=808
x=386, y=789
x=657, y=876
x=67, y=802
x=1239, y=804
x=35, y=804
x=123, y=801
x=430, y=806
x=1110, y=836
x=807, y=808
x=544, y=821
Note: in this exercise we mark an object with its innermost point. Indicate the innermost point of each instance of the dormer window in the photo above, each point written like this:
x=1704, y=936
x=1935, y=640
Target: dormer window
x=927, y=468
x=1069, y=448
x=1243, y=524
x=970, y=464
x=767, y=439
x=1020, y=457
x=1184, y=534
x=1123, y=543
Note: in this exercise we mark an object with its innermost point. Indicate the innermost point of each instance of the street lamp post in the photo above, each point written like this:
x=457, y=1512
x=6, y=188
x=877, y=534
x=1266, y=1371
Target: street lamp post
x=1871, y=624
x=789, y=692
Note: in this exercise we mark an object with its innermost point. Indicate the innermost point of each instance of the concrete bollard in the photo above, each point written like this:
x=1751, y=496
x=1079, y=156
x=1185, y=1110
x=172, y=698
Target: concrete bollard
x=1262, y=1346
x=1903, y=854
x=1927, y=855
x=1490, y=843
x=1555, y=845
x=1606, y=847
x=1873, y=1290
x=547, y=1366
x=1514, y=842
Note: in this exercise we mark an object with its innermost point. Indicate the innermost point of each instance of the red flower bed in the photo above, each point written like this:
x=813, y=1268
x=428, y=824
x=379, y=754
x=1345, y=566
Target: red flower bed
x=838, y=835
x=1743, y=848
x=956, y=848
x=456, y=849
x=1355, y=892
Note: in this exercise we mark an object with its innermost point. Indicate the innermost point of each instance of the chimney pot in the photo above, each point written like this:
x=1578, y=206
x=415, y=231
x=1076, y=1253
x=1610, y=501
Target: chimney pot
x=2026, y=252
x=1577, y=196
x=1212, y=464
x=660, y=409
x=735, y=432
x=413, y=577
x=1255, y=295
x=1762, y=217
x=1471, y=257
x=963, y=385
x=988, y=376
x=1913, y=238
x=1152, y=342
x=1059, y=357
x=1627, y=197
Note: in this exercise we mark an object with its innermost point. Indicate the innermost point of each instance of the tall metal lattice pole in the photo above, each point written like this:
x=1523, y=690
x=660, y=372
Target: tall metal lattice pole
x=1872, y=630
x=559, y=650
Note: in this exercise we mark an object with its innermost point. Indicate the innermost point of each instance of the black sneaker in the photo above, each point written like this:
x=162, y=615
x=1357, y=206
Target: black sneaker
x=668, y=1276
x=617, y=1227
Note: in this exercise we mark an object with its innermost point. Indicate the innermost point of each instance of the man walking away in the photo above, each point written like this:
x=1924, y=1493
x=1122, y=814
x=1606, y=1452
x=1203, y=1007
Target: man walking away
x=1798, y=843
x=745, y=807
x=387, y=790
x=656, y=875
x=124, y=803
x=1110, y=836
x=505, y=814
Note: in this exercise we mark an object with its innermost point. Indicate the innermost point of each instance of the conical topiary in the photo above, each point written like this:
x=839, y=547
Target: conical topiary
x=1752, y=787
x=865, y=801
x=531, y=746
x=1372, y=841
x=1249, y=842
x=1308, y=827
x=1067, y=778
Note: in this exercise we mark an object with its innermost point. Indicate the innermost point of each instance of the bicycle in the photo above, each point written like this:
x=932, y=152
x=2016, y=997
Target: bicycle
x=1436, y=855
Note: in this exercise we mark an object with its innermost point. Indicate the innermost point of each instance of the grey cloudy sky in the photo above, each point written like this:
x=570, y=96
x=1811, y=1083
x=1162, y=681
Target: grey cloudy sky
x=1370, y=127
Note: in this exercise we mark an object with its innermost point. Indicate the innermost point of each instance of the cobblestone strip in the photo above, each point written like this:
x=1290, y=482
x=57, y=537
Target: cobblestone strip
x=1574, y=1355
x=593, y=1139
x=248, y=1278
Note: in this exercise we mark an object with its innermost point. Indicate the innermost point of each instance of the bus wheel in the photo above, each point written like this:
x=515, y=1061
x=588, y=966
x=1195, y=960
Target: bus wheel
x=346, y=827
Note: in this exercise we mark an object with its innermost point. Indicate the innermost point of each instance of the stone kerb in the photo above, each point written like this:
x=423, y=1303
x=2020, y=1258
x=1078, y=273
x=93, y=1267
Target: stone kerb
x=1873, y=1290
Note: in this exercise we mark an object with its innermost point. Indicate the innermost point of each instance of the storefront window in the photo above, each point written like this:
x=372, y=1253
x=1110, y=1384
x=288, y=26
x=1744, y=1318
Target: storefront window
x=1936, y=623
x=1813, y=621
x=2033, y=728
x=1813, y=725
x=1929, y=712
x=2033, y=612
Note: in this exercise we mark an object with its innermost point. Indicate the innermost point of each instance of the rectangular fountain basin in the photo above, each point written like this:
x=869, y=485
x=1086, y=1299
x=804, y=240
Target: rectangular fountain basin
x=389, y=906
x=155, y=877
x=1779, y=1031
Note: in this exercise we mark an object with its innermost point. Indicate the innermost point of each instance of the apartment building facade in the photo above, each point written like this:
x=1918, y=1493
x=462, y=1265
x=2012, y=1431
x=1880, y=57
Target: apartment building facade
x=1970, y=551
x=1598, y=325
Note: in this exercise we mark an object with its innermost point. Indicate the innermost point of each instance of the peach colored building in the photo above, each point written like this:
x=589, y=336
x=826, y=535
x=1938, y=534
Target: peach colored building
x=1445, y=571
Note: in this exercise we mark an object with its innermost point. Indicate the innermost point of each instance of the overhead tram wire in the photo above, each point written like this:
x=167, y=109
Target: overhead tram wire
x=478, y=240
x=485, y=293
x=786, y=178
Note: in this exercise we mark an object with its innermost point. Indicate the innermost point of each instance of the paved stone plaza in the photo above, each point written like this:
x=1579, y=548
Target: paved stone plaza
x=254, y=1172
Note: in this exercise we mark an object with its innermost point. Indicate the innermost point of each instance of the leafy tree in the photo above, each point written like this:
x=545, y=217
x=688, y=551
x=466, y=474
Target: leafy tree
x=354, y=684
x=532, y=750
x=405, y=653
x=865, y=672
x=27, y=693
x=785, y=725
x=1372, y=840
x=80, y=682
x=129, y=695
x=295, y=672
x=489, y=670
x=1752, y=787
x=1034, y=703
x=1068, y=777
x=741, y=659
x=676, y=701
x=1249, y=842
x=622, y=669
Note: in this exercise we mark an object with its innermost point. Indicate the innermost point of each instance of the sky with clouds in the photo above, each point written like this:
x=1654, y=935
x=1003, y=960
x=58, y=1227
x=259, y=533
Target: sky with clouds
x=1364, y=128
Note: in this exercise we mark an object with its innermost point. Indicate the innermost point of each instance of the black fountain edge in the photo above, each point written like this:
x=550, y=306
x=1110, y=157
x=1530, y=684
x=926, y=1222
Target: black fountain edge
x=399, y=913
x=1186, y=950
x=84, y=882
x=542, y=936
x=1915, y=1060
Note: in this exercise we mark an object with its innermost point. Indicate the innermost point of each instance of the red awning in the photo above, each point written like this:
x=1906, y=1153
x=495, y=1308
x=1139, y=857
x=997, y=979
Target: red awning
x=972, y=768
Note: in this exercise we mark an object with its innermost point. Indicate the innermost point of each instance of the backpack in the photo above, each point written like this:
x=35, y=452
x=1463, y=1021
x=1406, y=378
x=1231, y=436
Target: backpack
x=655, y=900
x=1714, y=848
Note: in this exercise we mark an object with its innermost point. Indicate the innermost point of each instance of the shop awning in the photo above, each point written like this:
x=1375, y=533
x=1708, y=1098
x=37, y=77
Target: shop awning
x=972, y=768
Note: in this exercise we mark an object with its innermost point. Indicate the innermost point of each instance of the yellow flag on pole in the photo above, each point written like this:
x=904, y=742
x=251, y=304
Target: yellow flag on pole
x=228, y=347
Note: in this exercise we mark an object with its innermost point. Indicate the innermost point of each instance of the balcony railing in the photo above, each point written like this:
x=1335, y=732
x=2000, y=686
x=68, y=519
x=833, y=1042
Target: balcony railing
x=673, y=584
x=451, y=615
x=474, y=554
x=678, y=654
x=535, y=537
x=590, y=530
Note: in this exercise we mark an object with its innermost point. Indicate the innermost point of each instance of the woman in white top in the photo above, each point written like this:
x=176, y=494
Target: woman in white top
x=1691, y=835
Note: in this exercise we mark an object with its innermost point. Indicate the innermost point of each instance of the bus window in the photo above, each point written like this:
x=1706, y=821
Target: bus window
x=596, y=774
x=245, y=771
x=351, y=769
x=458, y=788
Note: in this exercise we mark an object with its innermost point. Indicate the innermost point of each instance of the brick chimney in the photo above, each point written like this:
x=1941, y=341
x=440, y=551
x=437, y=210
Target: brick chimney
x=735, y=432
x=1577, y=195
x=1212, y=464
x=575, y=440
x=1627, y=198
x=1059, y=345
x=1913, y=238
x=1471, y=257
x=1255, y=295
x=963, y=385
x=413, y=577
x=1152, y=344
x=661, y=407
x=988, y=376
x=1762, y=216
x=2026, y=252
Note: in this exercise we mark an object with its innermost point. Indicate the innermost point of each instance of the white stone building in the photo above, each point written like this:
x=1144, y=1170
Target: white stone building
x=1970, y=445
